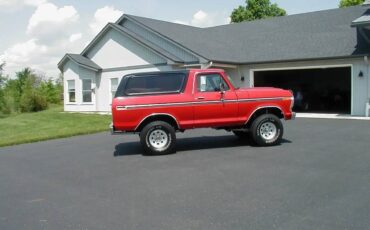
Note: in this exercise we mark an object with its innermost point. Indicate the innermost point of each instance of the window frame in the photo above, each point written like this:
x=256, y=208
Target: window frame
x=207, y=74
x=69, y=90
x=90, y=90
x=126, y=79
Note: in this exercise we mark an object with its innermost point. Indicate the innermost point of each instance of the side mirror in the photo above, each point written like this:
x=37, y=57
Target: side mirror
x=222, y=87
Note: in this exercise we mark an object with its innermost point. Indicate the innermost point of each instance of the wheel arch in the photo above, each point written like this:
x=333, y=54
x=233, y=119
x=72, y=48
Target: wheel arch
x=276, y=110
x=158, y=117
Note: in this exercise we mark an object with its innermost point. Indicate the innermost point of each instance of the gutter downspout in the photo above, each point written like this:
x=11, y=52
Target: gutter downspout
x=366, y=60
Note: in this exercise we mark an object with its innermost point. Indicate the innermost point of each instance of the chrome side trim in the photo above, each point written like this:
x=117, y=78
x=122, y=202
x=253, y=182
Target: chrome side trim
x=120, y=107
x=157, y=114
x=264, y=99
x=127, y=107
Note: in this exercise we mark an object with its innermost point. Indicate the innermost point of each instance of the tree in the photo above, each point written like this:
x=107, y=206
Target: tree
x=256, y=9
x=2, y=81
x=32, y=100
x=347, y=3
x=2, y=78
x=51, y=91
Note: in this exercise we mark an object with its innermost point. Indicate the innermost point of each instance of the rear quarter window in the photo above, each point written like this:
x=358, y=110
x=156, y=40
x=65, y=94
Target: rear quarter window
x=153, y=84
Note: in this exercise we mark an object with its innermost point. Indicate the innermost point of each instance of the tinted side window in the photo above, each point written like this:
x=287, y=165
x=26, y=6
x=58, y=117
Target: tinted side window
x=210, y=83
x=153, y=84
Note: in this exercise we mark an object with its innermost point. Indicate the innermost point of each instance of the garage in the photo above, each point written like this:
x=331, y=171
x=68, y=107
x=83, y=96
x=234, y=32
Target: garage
x=316, y=90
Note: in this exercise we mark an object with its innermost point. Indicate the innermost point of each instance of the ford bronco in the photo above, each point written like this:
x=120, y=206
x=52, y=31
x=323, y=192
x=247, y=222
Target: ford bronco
x=157, y=105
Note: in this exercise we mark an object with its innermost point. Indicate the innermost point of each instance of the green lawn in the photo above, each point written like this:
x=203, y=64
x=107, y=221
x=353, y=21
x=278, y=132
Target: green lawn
x=49, y=124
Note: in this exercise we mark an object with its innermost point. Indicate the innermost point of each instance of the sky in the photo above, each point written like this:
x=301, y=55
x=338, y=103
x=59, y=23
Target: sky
x=37, y=33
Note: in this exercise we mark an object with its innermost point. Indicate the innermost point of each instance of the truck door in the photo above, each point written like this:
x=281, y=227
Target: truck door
x=214, y=106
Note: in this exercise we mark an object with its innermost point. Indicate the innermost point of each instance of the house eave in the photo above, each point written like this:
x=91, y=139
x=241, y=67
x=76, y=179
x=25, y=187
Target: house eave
x=68, y=57
x=233, y=63
x=128, y=17
x=170, y=60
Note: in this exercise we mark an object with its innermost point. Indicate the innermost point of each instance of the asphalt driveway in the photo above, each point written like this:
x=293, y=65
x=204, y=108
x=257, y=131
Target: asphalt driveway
x=318, y=178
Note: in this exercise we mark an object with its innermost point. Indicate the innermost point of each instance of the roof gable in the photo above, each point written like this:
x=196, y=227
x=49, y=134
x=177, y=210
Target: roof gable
x=170, y=58
x=317, y=35
x=79, y=60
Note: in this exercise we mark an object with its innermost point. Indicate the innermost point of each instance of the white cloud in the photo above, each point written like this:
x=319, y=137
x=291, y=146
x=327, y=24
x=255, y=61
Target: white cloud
x=181, y=22
x=104, y=15
x=75, y=37
x=204, y=19
x=21, y=53
x=52, y=31
x=40, y=57
x=48, y=16
x=201, y=19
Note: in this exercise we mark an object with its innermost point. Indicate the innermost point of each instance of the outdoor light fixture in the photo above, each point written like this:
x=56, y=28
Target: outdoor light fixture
x=242, y=78
x=360, y=74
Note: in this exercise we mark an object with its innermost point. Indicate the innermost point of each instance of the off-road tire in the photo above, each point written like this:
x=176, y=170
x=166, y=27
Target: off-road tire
x=267, y=130
x=158, y=138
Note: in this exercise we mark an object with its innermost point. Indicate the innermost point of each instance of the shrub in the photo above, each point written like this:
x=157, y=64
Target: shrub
x=51, y=91
x=32, y=101
x=8, y=105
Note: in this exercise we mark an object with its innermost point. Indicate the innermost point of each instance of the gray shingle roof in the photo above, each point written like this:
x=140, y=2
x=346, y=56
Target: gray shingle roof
x=322, y=34
x=84, y=61
x=364, y=20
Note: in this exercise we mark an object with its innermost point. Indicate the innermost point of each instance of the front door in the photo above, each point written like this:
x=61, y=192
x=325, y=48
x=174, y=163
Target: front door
x=213, y=107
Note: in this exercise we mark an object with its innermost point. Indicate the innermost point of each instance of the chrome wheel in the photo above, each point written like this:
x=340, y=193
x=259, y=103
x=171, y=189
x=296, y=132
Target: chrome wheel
x=158, y=139
x=268, y=130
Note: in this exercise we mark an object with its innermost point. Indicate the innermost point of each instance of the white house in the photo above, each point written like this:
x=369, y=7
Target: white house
x=323, y=54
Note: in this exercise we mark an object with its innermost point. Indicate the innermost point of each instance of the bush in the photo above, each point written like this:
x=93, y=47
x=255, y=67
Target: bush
x=32, y=101
x=51, y=91
x=8, y=105
x=28, y=92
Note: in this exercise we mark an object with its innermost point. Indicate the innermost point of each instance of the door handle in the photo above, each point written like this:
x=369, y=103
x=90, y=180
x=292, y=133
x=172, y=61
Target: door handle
x=200, y=98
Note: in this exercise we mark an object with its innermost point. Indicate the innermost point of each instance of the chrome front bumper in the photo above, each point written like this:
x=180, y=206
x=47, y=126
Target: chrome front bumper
x=294, y=115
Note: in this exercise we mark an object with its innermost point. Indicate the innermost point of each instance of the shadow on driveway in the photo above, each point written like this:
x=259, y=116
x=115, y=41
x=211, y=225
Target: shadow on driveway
x=188, y=144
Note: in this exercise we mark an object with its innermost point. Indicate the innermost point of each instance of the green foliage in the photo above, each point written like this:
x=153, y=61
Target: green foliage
x=256, y=9
x=32, y=100
x=348, y=3
x=27, y=92
x=51, y=91
x=2, y=96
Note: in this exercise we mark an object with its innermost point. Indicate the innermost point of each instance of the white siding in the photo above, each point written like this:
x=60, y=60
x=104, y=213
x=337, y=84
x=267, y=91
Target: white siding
x=360, y=86
x=103, y=90
x=72, y=71
x=161, y=42
x=117, y=50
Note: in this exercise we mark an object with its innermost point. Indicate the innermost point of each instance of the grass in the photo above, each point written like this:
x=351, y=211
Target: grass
x=49, y=124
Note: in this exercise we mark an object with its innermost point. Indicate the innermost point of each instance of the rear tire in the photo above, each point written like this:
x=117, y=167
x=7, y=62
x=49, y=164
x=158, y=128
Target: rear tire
x=267, y=130
x=158, y=138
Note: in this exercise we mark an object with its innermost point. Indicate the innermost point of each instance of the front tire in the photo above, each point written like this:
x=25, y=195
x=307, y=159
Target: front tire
x=158, y=138
x=267, y=130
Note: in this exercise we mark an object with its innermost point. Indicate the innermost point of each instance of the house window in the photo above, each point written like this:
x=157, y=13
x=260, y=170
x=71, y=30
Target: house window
x=71, y=91
x=113, y=87
x=86, y=90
